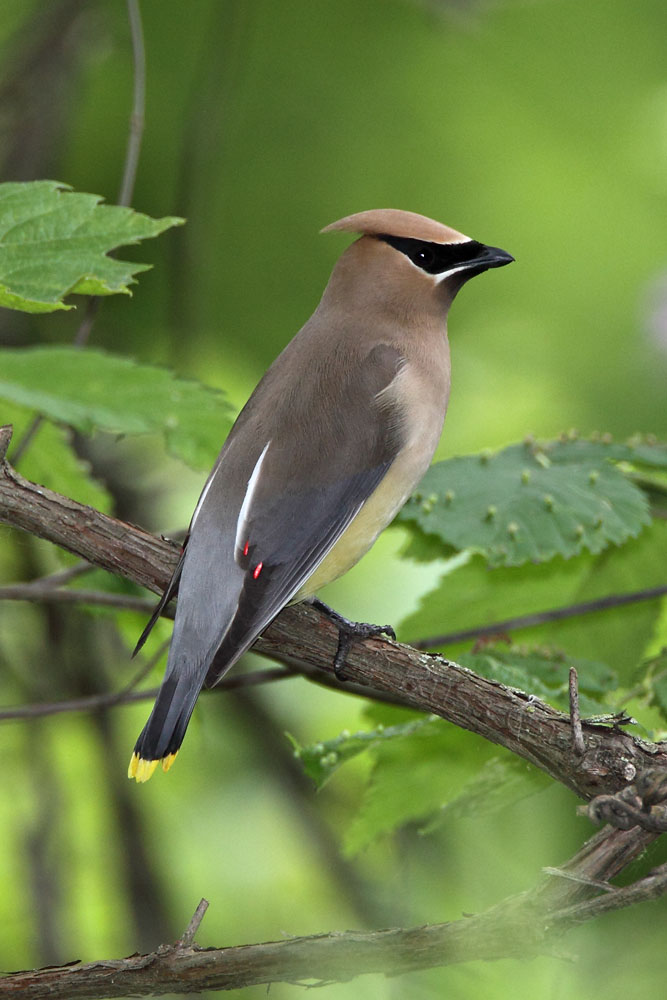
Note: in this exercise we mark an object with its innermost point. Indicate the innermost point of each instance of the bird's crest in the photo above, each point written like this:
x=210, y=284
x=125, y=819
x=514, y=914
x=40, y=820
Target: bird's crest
x=394, y=222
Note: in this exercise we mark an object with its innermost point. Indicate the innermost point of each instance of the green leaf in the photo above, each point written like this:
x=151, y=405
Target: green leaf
x=500, y=783
x=414, y=774
x=545, y=672
x=321, y=760
x=90, y=389
x=518, y=505
x=53, y=463
x=656, y=682
x=639, y=451
x=473, y=596
x=54, y=242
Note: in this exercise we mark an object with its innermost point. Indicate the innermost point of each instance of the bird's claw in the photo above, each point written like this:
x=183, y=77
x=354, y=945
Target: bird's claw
x=348, y=633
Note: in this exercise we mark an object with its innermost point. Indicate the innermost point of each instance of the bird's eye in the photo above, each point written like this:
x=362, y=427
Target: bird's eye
x=424, y=257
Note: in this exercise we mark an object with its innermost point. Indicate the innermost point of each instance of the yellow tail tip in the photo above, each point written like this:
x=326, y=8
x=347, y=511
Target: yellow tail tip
x=141, y=770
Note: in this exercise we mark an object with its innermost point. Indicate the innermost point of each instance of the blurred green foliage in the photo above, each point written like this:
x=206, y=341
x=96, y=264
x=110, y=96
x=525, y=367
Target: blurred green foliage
x=537, y=127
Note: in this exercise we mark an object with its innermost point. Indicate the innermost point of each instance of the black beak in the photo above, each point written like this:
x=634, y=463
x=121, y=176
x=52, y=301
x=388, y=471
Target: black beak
x=492, y=257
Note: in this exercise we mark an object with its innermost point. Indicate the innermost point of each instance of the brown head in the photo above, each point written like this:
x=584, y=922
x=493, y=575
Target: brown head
x=405, y=262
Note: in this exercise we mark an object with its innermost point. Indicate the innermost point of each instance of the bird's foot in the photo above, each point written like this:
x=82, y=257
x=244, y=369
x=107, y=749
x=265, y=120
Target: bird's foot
x=348, y=633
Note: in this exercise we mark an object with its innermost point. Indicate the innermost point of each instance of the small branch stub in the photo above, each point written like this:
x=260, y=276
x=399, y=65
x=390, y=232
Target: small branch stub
x=6, y=432
x=188, y=938
x=578, y=744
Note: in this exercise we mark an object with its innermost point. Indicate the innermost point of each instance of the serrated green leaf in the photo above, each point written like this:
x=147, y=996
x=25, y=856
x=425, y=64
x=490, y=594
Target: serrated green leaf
x=474, y=596
x=54, y=463
x=90, y=389
x=518, y=506
x=321, y=760
x=412, y=777
x=500, y=783
x=545, y=673
x=54, y=242
x=639, y=451
x=656, y=682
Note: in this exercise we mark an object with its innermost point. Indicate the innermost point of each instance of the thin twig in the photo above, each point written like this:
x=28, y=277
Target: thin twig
x=187, y=940
x=578, y=744
x=61, y=576
x=652, y=886
x=85, y=327
x=98, y=702
x=19, y=449
x=540, y=617
x=520, y=926
x=593, y=883
x=130, y=163
x=137, y=115
x=37, y=592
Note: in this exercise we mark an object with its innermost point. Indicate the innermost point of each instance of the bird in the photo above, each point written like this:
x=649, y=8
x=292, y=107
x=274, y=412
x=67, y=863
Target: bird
x=329, y=446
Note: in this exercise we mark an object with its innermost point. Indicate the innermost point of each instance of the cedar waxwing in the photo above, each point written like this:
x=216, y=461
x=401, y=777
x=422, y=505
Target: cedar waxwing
x=325, y=452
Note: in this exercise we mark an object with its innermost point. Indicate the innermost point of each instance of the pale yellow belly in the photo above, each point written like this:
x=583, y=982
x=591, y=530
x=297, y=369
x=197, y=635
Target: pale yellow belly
x=425, y=398
x=378, y=511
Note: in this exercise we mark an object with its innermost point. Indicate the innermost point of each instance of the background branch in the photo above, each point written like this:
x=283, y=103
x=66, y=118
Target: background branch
x=541, y=617
x=130, y=165
x=99, y=702
x=520, y=926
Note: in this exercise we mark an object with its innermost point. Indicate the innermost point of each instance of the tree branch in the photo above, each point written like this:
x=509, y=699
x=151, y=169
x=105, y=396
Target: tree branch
x=305, y=640
x=100, y=702
x=541, y=617
x=520, y=926
x=41, y=592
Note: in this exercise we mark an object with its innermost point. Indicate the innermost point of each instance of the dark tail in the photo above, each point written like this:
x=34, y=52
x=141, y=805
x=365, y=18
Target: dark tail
x=161, y=737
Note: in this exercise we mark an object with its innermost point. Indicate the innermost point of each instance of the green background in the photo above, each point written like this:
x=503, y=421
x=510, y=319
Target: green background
x=539, y=127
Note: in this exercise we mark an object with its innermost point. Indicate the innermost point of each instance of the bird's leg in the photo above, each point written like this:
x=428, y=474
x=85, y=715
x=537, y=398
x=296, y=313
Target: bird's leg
x=349, y=633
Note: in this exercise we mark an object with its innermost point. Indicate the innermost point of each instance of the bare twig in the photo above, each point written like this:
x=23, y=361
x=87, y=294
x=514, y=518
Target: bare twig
x=188, y=938
x=578, y=744
x=520, y=926
x=99, y=702
x=133, y=147
x=131, y=161
x=541, y=617
x=22, y=445
x=39, y=592
x=652, y=886
x=593, y=883
x=64, y=576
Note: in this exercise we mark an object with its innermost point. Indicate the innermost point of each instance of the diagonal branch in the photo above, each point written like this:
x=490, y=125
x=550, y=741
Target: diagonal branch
x=540, y=617
x=303, y=639
x=520, y=926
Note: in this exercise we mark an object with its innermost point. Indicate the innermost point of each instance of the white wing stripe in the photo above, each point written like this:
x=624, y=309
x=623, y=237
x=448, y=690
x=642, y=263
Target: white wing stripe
x=203, y=496
x=247, y=500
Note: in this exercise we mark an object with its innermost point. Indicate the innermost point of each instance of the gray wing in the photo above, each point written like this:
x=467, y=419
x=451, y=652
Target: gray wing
x=318, y=470
x=253, y=544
